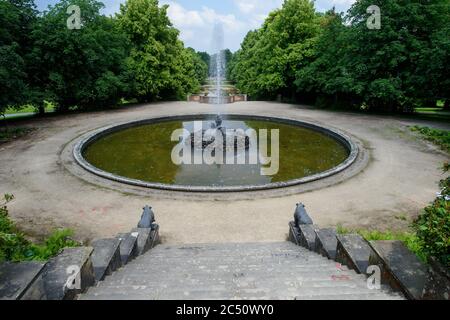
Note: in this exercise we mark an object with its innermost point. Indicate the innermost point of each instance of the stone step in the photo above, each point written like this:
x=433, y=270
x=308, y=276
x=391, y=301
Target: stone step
x=152, y=275
x=218, y=253
x=222, y=292
x=224, y=260
x=128, y=246
x=207, y=292
x=358, y=296
x=317, y=292
x=149, y=272
x=177, y=272
x=353, y=251
x=232, y=271
x=236, y=283
x=21, y=281
x=229, y=246
x=260, y=282
x=249, y=264
x=400, y=268
x=254, y=254
x=106, y=257
x=326, y=242
x=307, y=236
x=215, y=254
x=57, y=274
x=147, y=238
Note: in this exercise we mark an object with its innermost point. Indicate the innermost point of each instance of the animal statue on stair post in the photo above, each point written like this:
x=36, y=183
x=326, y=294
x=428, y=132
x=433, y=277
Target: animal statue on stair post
x=147, y=219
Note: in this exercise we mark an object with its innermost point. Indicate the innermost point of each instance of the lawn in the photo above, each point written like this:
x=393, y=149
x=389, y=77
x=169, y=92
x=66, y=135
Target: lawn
x=29, y=109
x=437, y=136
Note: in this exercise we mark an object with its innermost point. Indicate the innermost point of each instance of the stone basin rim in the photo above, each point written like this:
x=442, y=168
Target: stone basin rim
x=93, y=136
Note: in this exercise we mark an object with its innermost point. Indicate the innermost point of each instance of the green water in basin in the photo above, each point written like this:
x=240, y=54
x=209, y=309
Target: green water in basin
x=144, y=153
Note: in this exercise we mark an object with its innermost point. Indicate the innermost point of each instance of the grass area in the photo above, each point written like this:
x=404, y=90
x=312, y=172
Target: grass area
x=29, y=109
x=436, y=113
x=432, y=110
x=15, y=247
x=437, y=136
x=9, y=134
x=410, y=239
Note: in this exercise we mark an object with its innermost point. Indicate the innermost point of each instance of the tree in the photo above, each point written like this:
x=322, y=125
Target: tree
x=16, y=20
x=158, y=60
x=205, y=57
x=326, y=77
x=393, y=69
x=270, y=56
x=82, y=68
x=336, y=60
x=200, y=66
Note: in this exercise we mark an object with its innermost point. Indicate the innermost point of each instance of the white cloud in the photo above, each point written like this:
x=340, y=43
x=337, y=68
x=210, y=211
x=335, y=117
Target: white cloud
x=182, y=17
x=256, y=11
x=245, y=6
x=196, y=26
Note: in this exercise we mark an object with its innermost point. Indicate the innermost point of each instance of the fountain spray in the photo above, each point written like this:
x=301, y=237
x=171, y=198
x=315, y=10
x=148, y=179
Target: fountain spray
x=217, y=68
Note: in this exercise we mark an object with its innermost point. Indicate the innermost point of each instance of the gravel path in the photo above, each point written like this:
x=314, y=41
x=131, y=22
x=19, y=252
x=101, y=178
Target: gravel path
x=400, y=178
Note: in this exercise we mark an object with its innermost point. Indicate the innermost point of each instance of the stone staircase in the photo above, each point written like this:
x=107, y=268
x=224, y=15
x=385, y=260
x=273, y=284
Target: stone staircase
x=280, y=270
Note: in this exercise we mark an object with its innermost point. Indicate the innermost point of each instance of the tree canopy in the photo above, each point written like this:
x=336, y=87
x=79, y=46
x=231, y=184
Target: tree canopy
x=335, y=60
x=135, y=55
x=329, y=59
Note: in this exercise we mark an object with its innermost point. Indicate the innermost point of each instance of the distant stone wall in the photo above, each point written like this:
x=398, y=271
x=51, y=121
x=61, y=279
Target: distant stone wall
x=240, y=97
x=193, y=98
x=213, y=100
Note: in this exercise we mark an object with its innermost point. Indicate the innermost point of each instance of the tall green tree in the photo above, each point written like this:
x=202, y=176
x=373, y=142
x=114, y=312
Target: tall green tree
x=326, y=77
x=395, y=68
x=82, y=68
x=385, y=63
x=205, y=57
x=336, y=60
x=158, y=60
x=16, y=20
x=269, y=58
x=200, y=66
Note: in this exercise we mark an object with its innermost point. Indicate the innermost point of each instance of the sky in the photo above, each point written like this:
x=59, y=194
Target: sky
x=196, y=18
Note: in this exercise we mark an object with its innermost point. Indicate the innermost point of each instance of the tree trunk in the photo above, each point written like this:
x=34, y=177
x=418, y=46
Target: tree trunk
x=41, y=110
x=5, y=122
x=447, y=105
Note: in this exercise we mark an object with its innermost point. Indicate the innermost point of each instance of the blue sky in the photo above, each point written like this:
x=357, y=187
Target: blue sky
x=196, y=18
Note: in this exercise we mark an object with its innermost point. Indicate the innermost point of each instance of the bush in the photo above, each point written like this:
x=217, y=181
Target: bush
x=433, y=230
x=15, y=247
x=433, y=225
x=439, y=137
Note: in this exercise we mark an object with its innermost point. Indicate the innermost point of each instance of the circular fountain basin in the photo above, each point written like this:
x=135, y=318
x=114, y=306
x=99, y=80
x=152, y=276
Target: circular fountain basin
x=139, y=153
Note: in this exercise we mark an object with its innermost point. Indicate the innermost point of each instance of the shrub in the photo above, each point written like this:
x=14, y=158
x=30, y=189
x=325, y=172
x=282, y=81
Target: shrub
x=433, y=230
x=439, y=137
x=433, y=225
x=15, y=247
x=57, y=241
